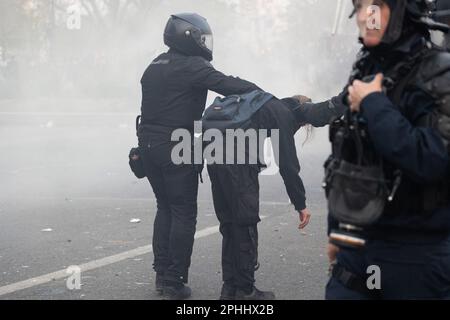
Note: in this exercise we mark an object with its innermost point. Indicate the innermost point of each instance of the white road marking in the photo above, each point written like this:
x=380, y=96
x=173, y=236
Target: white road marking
x=95, y=264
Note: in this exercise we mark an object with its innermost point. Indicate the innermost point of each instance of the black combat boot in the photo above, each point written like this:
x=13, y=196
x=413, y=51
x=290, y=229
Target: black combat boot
x=254, y=294
x=176, y=291
x=228, y=292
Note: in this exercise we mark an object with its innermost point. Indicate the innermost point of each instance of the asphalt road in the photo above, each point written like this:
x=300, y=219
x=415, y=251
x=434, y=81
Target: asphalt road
x=67, y=198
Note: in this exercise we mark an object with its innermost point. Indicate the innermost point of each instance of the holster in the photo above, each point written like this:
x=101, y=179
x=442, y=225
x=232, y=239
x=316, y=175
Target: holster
x=135, y=158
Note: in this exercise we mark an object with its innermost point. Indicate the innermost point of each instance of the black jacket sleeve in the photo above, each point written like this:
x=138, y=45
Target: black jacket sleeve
x=318, y=114
x=290, y=168
x=276, y=116
x=418, y=151
x=206, y=77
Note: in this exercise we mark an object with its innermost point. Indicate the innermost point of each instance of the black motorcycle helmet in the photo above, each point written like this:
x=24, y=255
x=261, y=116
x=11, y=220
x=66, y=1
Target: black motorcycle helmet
x=442, y=14
x=190, y=34
x=416, y=12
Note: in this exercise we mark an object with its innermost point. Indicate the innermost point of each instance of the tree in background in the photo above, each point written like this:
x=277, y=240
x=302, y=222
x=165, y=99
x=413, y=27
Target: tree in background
x=106, y=52
x=38, y=34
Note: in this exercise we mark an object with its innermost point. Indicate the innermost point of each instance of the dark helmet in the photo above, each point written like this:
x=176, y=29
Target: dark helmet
x=442, y=15
x=443, y=11
x=190, y=34
x=416, y=11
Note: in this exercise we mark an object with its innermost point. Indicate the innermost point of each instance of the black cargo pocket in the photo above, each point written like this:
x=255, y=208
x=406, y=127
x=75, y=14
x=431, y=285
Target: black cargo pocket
x=247, y=257
x=248, y=208
x=245, y=195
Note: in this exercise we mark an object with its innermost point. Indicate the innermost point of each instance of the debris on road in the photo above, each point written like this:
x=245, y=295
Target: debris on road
x=48, y=125
x=135, y=220
x=47, y=230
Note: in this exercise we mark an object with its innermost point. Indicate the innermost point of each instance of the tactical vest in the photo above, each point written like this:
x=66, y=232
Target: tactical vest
x=426, y=69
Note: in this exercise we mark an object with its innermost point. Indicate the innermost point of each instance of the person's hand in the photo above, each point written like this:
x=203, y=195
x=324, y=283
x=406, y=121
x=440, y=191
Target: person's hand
x=332, y=252
x=360, y=90
x=305, y=217
x=302, y=99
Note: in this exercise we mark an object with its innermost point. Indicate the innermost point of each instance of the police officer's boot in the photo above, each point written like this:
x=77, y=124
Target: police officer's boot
x=176, y=291
x=228, y=292
x=254, y=294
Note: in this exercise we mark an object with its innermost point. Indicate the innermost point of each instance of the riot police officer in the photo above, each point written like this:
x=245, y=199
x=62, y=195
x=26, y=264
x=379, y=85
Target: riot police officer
x=388, y=180
x=174, y=93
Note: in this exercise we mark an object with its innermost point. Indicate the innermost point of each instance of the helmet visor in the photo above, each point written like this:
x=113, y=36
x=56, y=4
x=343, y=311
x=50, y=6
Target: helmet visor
x=207, y=41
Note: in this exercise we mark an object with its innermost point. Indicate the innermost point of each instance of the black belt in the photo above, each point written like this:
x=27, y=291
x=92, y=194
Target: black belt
x=352, y=281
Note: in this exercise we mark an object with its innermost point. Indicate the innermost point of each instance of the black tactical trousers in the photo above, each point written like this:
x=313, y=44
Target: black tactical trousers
x=235, y=191
x=176, y=189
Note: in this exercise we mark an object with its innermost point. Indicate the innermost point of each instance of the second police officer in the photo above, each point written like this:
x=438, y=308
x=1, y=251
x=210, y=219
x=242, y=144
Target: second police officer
x=388, y=180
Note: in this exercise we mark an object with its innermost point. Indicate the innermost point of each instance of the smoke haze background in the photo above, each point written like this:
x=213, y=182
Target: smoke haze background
x=68, y=103
x=69, y=97
x=284, y=46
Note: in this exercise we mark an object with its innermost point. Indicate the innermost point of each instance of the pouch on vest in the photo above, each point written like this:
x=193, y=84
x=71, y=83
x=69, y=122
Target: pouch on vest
x=355, y=184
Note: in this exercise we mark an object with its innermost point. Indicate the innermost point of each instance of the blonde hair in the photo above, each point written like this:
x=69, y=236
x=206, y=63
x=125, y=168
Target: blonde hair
x=309, y=133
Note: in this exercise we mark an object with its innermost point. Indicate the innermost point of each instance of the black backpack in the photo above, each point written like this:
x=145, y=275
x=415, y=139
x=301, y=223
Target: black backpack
x=234, y=112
